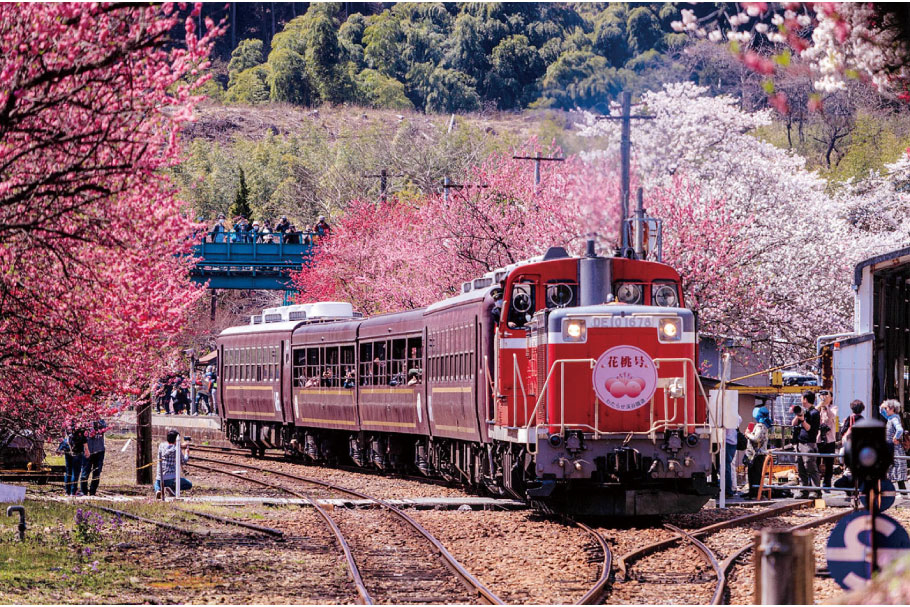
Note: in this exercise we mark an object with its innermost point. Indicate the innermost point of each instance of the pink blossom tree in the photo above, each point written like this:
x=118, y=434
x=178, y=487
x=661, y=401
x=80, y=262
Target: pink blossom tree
x=398, y=255
x=93, y=268
x=402, y=254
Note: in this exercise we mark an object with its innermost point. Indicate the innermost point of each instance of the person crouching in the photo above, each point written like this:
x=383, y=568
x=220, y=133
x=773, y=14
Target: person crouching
x=167, y=465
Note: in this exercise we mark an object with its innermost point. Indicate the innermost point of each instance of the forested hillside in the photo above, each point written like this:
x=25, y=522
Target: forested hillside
x=444, y=57
x=311, y=102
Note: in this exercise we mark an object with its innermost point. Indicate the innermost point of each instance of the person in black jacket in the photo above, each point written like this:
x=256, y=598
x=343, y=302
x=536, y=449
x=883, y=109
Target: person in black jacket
x=806, y=422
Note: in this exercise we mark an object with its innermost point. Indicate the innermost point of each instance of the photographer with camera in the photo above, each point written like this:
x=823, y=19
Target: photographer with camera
x=806, y=423
x=827, y=414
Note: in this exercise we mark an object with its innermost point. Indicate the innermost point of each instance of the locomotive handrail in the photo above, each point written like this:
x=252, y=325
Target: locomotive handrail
x=516, y=374
x=543, y=392
x=664, y=422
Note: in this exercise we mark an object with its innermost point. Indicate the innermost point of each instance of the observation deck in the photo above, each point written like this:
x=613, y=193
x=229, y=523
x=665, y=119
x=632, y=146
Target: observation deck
x=249, y=265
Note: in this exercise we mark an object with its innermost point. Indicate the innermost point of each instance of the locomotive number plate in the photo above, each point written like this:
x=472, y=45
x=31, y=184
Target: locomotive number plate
x=613, y=322
x=625, y=378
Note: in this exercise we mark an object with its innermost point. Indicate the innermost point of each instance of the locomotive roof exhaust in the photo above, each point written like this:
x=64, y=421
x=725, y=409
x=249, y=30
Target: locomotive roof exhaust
x=594, y=278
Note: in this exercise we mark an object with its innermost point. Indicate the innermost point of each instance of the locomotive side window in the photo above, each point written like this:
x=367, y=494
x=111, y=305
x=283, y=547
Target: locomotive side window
x=521, y=305
x=562, y=294
x=664, y=294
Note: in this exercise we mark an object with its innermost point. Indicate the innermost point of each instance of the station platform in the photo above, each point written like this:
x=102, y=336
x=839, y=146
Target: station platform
x=204, y=429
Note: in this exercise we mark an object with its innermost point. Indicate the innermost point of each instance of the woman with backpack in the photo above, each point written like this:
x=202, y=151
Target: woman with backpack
x=894, y=433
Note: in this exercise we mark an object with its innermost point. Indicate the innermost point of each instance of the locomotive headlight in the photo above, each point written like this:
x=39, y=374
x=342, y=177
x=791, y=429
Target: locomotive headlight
x=574, y=329
x=669, y=329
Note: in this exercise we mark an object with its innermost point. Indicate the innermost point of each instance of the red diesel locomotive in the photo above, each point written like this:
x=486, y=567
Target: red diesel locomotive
x=569, y=381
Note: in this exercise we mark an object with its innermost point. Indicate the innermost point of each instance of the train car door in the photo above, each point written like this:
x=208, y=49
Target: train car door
x=284, y=380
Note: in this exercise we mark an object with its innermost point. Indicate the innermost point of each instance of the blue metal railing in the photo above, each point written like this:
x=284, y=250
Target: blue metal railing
x=236, y=260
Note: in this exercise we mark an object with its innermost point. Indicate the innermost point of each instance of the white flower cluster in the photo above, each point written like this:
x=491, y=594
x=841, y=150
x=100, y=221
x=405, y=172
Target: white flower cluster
x=801, y=249
x=847, y=41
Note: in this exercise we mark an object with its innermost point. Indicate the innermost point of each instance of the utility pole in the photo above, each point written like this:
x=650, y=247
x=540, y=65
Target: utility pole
x=383, y=177
x=448, y=185
x=537, y=160
x=625, y=149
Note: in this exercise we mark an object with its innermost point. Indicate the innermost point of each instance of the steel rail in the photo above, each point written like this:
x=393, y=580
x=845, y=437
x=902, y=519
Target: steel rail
x=710, y=557
x=362, y=592
x=168, y=526
x=624, y=560
x=597, y=593
x=730, y=561
x=228, y=521
x=472, y=583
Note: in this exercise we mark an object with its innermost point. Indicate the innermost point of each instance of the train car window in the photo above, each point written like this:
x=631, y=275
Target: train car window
x=562, y=294
x=257, y=373
x=380, y=367
x=299, y=368
x=415, y=358
x=332, y=370
x=348, y=367
x=398, y=362
x=313, y=369
x=243, y=354
x=366, y=364
x=521, y=305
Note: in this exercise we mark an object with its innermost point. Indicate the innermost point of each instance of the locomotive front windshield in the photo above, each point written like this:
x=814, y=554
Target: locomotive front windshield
x=526, y=298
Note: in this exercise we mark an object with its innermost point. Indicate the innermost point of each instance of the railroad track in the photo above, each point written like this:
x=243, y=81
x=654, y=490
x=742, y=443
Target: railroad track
x=284, y=458
x=593, y=595
x=718, y=571
x=384, y=558
x=185, y=531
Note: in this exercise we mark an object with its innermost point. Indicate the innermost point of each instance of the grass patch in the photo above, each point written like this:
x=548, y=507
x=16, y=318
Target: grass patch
x=53, y=565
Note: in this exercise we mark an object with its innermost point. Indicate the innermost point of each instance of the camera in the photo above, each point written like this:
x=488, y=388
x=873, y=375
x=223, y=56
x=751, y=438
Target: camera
x=187, y=439
x=823, y=430
x=796, y=410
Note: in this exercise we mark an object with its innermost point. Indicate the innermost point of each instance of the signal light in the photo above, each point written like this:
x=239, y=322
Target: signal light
x=867, y=453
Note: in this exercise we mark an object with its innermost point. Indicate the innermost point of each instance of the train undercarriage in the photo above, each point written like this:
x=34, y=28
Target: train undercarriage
x=621, y=482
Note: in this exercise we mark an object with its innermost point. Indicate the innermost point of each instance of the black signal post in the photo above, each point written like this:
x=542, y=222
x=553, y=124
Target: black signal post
x=869, y=455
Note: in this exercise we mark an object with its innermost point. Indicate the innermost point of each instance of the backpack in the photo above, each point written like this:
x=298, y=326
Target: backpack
x=905, y=441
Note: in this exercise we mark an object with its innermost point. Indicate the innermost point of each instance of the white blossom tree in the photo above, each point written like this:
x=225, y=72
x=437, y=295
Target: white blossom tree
x=799, y=250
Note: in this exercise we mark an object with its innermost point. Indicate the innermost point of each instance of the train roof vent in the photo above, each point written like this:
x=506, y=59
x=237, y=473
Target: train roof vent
x=465, y=287
x=555, y=253
x=297, y=315
x=272, y=317
x=480, y=283
x=330, y=309
x=255, y=319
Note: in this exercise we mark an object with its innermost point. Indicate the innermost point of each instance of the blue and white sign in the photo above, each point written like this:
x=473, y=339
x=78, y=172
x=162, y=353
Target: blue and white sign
x=849, y=553
x=886, y=495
